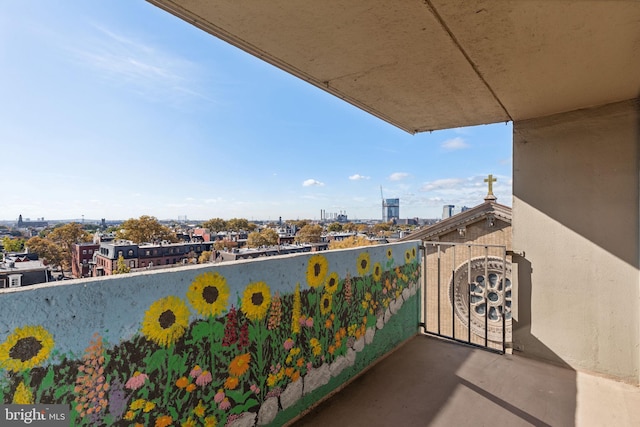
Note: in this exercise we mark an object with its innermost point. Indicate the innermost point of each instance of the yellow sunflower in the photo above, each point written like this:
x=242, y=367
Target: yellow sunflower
x=256, y=300
x=389, y=253
x=209, y=294
x=363, y=263
x=331, y=285
x=25, y=348
x=413, y=253
x=166, y=321
x=377, y=271
x=317, y=270
x=239, y=365
x=325, y=303
x=407, y=255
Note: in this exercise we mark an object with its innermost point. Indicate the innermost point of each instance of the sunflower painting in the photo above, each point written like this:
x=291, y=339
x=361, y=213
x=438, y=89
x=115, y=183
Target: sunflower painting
x=317, y=270
x=256, y=300
x=377, y=271
x=166, y=321
x=331, y=285
x=216, y=342
x=363, y=263
x=209, y=294
x=25, y=348
x=325, y=303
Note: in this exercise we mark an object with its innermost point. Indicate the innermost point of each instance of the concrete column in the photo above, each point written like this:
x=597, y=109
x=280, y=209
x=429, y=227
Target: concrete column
x=575, y=216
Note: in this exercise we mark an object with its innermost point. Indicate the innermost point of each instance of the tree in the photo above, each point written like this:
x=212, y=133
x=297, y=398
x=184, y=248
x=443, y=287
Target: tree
x=335, y=227
x=47, y=250
x=266, y=237
x=255, y=240
x=309, y=234
x=349, y=226
x=121, y=266
x=67, y=235
x=145, y=229
x=238, y=224
x=205, y=256
x=362, y=228
x=381, y=227
x=215, y=224
x=12, y=245
x=298, y=224
x=270, y=236
x=225, y=244
x=350, y=242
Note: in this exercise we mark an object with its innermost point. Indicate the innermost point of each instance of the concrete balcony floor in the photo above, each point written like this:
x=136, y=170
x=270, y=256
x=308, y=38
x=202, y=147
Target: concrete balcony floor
x=428, y=381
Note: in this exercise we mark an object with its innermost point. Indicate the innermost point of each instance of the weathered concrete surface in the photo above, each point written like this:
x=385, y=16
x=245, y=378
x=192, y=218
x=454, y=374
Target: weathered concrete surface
x=432, y=382
x=575, y=217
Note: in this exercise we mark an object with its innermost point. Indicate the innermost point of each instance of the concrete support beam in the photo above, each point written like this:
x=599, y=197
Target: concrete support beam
x=576, y=217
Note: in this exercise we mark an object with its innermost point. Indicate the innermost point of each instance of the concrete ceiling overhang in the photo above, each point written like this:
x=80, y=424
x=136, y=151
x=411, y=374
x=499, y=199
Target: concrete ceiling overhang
x=436, y=64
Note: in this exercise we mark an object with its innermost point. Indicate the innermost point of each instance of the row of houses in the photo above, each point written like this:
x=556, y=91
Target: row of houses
x=101, y=259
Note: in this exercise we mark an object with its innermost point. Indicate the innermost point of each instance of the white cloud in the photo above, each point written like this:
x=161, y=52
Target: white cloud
x=358, y=177
x=456, y=143
x=397, y=176
x=441, y=184
x=312, y=183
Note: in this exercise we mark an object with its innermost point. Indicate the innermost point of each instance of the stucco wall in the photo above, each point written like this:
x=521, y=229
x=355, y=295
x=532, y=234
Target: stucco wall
x=244, y=343
x=575, y=216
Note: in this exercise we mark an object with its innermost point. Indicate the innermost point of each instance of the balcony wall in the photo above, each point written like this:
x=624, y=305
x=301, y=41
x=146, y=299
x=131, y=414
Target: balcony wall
x=243, y=343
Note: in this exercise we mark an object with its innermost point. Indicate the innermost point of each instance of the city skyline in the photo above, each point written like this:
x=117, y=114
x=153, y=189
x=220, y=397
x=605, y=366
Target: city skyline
x=119, y=110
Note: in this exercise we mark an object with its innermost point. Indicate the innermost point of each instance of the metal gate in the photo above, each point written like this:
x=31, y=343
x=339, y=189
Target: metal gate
x=467, y=293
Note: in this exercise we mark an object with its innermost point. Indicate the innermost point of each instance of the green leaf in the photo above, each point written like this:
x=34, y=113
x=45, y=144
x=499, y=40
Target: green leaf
x=177, y=363
x=47, y=381
x=238, y=396
x=199, y=331
x=157, y=360
x=238, y=409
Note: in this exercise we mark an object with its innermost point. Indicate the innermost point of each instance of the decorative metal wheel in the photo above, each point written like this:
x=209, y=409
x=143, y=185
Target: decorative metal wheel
x=487, y=290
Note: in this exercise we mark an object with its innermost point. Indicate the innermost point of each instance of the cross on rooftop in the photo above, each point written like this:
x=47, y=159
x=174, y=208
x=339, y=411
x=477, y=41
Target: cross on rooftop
x=490, y=179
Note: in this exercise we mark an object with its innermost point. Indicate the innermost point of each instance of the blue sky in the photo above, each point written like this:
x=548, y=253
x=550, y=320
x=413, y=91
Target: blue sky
x=116, y=109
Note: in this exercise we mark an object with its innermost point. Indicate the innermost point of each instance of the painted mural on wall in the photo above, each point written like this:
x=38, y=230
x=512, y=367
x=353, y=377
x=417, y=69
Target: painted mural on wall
x=211, y=356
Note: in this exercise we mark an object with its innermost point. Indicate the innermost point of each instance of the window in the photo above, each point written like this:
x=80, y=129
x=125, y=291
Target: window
x=90, y=251
x=132, y=263
x=119, y=253
x=15, y=280
x=130, y=252
x=147, y=252
x=84, y=252
x=85, y=261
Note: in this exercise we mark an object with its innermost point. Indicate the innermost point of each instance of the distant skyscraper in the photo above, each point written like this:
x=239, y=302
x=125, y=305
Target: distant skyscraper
x=447, y=211
x=392, y=209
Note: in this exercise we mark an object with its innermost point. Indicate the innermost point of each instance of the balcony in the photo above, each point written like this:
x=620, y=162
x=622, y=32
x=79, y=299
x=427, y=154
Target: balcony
x=250, y=342
x=262, y=342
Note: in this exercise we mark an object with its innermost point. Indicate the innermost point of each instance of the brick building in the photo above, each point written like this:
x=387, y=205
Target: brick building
x=145, y=256
x=82, y=258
